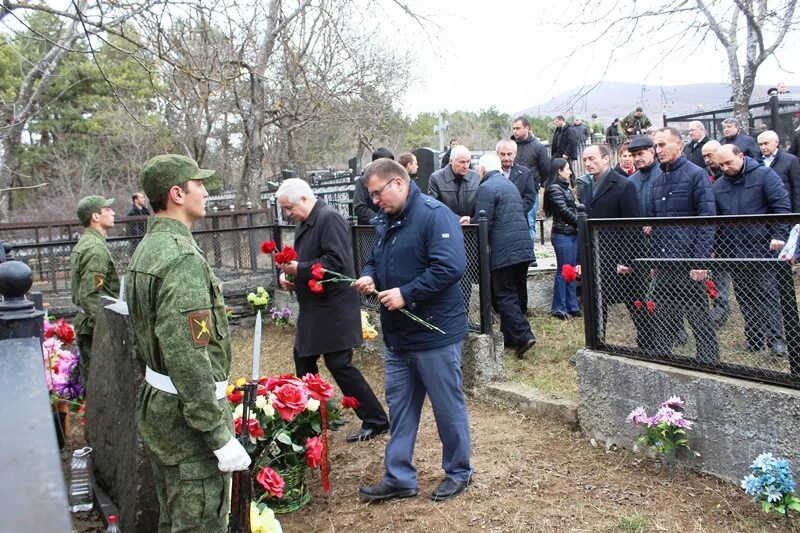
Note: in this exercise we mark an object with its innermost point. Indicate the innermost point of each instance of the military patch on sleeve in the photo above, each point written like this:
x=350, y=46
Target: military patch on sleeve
x=199, y=324
x=99, y=280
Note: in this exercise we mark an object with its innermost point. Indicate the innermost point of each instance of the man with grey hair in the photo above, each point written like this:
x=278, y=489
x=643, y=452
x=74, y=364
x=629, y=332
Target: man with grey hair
x=709, y=149
x=521, y=176
x=694, y=150
x=785, y=165
x=322, y=236
x=456, y=184
x=511, y=251
x=731, y=135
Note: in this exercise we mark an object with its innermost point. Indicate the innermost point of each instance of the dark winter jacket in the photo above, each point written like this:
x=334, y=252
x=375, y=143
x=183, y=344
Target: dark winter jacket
x=523, y=179
x=533, y=155
x=745, y=143
x=363, y=206
x=794, y=148
x=565, y=142
x=456, y=193
x=756, y=190
x=694, y=151
x=643, y=181
x=787, y=167
x=682, y=190
x=562, y=204
x=509, y=237
x=421, y=251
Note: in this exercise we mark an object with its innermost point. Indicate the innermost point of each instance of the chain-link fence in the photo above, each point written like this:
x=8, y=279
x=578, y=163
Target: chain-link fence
x=707, y=293
x=475, y=290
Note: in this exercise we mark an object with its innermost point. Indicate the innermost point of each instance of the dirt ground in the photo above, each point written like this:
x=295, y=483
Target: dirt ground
x=530, y=476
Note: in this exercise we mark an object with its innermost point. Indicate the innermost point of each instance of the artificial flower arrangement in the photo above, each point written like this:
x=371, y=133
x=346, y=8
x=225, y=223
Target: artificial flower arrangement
x=281, y=317
x=368, y=331
x=771, y=484
x=665, y=431
x=258, y=300
x=61, y=358
x=288, y=434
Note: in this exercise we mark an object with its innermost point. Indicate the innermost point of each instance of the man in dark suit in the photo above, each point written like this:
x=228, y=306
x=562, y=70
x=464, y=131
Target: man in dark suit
x=731, y=135
x=698, y=138
x=329, y=323
x=784, y=164
x=519, y=175
x=611, y=195
x=565, y=141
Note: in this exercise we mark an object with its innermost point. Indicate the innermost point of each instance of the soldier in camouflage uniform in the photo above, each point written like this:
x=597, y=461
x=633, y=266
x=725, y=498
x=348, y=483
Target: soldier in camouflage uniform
x=92, y=272
x=181, y=332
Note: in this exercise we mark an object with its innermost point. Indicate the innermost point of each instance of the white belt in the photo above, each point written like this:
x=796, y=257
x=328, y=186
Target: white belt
x=163, y=383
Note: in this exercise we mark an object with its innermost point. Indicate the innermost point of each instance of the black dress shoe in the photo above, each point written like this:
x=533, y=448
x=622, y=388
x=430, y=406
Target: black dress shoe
x=523, y=348
x=778, y=348
x=575, y=314
x=383, y=491
x=746, y=347
x=449, y=488
x=560, y=316
x=365, y=434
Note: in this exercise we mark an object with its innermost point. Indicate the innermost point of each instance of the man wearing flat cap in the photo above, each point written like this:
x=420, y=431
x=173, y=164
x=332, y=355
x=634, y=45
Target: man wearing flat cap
x=92, y=272
x=182, y=336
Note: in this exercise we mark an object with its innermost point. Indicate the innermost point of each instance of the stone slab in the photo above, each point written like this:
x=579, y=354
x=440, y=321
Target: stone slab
x=482, y=360
x=534, y=402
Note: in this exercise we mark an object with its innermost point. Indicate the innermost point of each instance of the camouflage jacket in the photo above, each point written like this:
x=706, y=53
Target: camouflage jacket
x=93, y=275
x=180, y=330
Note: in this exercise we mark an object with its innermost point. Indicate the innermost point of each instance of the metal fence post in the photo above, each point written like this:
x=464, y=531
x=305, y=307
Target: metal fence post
x=774, y=114
x=484, y=288
x=19, y=318
x=791, y=321
x=588, y=290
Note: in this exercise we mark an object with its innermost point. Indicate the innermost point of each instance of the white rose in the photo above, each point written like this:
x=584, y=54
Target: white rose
x=265, y=405
x=238, y=412
x=312, y=405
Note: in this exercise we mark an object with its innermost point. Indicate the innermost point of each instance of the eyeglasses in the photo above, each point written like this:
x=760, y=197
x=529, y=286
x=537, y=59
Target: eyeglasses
x=377, y=194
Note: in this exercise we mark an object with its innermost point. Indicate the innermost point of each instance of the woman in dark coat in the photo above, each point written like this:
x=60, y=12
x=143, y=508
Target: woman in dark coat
x=560, y=204
x=329, y=323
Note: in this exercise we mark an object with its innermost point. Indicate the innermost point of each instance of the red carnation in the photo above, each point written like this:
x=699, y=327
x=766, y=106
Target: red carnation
x=637, y=304
x=315, y=286
x=287, y=255
x=651, y=306
x=267, y=247
x=290, y=400
x=271, y=481
x=350, y=402
x=313, y=452
x=318, y=388
x=711, y=289
x=568, y=273
x=317, y=271
x=64, y=331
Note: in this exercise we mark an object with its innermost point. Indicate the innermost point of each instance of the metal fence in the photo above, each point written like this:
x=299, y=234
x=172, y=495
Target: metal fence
x=704, y=293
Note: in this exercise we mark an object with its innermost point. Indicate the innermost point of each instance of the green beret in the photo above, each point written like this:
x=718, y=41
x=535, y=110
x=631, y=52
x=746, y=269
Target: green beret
x=161, y=172
x=90, y=205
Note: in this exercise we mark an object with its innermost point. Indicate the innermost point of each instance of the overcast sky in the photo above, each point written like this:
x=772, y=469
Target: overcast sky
x=513, y=55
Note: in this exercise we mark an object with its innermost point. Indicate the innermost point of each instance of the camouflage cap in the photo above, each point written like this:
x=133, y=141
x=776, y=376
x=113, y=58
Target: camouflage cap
x=163, y=171
x=90, y=205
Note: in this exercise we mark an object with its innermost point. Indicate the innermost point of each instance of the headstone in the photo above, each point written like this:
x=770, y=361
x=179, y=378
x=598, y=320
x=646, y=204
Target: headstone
x=428, y=161
x=122, y=465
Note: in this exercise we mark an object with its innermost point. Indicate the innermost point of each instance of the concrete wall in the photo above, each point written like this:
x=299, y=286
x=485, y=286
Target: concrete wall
x=734, y=420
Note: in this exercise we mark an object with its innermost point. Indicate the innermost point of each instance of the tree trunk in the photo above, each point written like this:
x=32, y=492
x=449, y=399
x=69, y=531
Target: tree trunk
x=9, y=170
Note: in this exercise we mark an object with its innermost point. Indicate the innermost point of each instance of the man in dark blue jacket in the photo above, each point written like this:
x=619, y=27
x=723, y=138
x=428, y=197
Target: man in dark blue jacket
x=511, y=251
x=682, y=190
x=785, y=165
x=416, y=263
x=750, y=188
x=647, y=170
x=731, y=135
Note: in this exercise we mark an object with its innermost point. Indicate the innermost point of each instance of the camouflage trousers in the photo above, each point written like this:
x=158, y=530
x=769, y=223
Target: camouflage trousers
x=192, y=497
x=85, y=347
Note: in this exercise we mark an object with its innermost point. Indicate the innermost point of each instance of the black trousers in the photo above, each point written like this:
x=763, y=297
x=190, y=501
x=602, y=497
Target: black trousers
x=350, y=381
x=757, y=294
x=508, y=284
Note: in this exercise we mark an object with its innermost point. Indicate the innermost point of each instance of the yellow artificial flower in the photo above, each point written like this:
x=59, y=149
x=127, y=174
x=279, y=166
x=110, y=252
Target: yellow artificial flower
x=263, y=521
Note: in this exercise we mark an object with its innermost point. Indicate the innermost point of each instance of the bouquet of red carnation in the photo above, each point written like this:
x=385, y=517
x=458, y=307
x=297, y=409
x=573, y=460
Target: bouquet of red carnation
x=569, y=273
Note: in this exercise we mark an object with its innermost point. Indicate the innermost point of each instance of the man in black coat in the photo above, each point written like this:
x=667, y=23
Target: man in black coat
x=785, y=165
x=363, y=207
x=731, y=135
x=698, y=137
x=565, y=141
x=521, y=176
x=511, y=251
x=138, y=209
x=611, y=195
x=329, y=323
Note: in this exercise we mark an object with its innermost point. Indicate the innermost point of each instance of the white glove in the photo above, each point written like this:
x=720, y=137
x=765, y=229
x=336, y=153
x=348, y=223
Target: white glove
x=232, y=457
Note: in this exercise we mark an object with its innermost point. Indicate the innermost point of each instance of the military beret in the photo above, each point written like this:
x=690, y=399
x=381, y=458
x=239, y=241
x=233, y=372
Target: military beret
x=640, y=143
x=161, y=172
x=90, y=205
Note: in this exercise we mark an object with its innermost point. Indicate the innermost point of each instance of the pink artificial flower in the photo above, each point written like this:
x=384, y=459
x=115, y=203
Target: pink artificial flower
x=674, y=402
x=272, y=482
x=313, y=452
x=290, y=400
x=638, y=416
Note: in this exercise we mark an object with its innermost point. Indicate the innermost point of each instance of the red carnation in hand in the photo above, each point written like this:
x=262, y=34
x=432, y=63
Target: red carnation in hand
x=568, y=273
x=318, y=388
x=313, y=452
x=64, y=331
x=290, y=400
x=271, y=481
x=267, y=247
x=350, y=402
x=711, y=289
x=317, y=271
x=637, y=304
x=651, y=306
x=315, y=286
x=287, y=255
